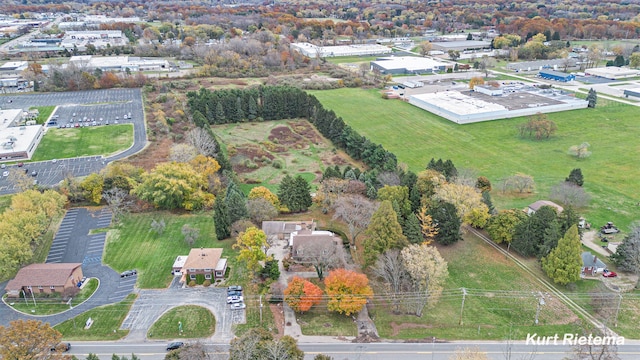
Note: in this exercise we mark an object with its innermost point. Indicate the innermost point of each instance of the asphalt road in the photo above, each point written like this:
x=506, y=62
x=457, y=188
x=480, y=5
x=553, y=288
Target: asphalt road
x=373, y=351
x=74, y=243
x=94, y=104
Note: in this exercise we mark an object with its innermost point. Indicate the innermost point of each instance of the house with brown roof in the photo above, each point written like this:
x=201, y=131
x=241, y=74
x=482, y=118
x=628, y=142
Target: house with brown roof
x=59, y=278
x=306, y=243
x=531, y=209
x=204, y=261
x=283, y=229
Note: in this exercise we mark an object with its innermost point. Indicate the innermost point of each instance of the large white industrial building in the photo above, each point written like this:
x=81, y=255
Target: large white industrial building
x=17, y=142
x=98, y=38
x=407, y=65
x=466, y=107
x=120, y=63
x=314, y=51
x=612, y=72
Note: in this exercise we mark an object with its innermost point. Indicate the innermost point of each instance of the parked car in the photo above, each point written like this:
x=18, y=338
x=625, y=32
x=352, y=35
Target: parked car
x=234, y=299
x=234, y=288
x=234, y=293
x=34, y=173
x=238, y=306
x=175, y=345
x=62, y=347
x=609, y=274
x=5, y=173
x=20, y=164
x=3, y=166
x=128, y=273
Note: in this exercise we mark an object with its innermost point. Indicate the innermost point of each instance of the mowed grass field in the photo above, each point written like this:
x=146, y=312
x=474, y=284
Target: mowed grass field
x=500, y=300
x=494, y=148
x=134, y=245
x=86, y=141
x=197, y=322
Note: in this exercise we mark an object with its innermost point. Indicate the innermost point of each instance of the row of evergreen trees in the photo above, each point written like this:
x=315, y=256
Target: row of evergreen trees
x=283, y=102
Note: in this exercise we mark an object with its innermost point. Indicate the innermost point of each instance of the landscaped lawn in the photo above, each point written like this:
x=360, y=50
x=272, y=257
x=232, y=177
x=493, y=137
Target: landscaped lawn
x=495, y=150
x=55, y=305
x=319, y=321
x=351, y=59
x=86, y=141
x=197, y=322
x=43, y=113
x=134, y=245
x=501, y=299
x=106, y=322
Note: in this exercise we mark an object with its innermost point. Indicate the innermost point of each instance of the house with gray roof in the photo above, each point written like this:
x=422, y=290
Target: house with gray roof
x=591, y=265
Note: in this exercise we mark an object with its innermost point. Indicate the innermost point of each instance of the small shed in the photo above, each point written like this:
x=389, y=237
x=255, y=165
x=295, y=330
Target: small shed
x=531, y=209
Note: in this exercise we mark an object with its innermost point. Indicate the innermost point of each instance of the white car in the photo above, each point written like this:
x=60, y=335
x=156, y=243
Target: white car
x=234, y=299
x=238, y=306
x=5, y=174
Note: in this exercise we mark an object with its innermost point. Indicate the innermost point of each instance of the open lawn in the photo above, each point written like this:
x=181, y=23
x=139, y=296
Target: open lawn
x=351, y=59
x=501, y=299
x=263, y=152
x=106, y=323
x=134, y=245
x=55, y=305
x=197, y=322
x=43, y=113
x=86, y=141
x=495, y=150
x=319, y=321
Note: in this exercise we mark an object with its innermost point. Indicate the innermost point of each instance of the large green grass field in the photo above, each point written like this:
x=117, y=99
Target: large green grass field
x=494, y=148
x=86, y=141
x=106, y=322
x=197, y=322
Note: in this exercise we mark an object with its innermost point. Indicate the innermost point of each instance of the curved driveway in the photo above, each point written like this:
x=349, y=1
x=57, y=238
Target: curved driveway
x=96, y=104
x=75, y=243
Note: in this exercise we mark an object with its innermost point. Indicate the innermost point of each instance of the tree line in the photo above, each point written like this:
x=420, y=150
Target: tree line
x=283, y=102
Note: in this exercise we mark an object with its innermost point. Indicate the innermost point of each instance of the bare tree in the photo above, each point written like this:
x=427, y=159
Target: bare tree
x=356, y=212
x=182, y=152
x=569, y=193
x=204, y=143
x=158, y=226
x=20, y=179
x=261, y=209
x=322, y=255
x=520, y=182
x=118, y=202
x=190, y=234
x=240, y=226
x=467, y=176
x=606, y=350
x=193, y=351
x=389, y=178
x=390, y=269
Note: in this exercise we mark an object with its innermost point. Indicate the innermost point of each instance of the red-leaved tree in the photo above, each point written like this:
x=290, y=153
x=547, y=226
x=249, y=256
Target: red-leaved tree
x=348, y=291
x=302, y=294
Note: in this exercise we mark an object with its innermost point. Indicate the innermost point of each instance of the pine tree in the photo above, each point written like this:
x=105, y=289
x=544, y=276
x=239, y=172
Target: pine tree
x=236, y=203
x=412, y=231
x=295, y=194
x=221, y=219
x=563, y=263
x=253, y=109
x=575, y=177
x=219, y=114
x=445, y=216
x=383, y=233
x=592, y=98
x=239, y=112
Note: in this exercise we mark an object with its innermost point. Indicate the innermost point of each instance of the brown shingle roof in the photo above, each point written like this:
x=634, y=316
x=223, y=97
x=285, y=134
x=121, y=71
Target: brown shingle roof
x=42, y=275
x=206, y=258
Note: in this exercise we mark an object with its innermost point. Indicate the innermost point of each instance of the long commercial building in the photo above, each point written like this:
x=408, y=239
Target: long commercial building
x=407, y=65
x=313, y=51
x=120, y=63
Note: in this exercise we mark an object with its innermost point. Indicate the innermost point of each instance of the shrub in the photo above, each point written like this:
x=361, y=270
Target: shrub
x=192, y=283
x=277, y=164
x=206, y=283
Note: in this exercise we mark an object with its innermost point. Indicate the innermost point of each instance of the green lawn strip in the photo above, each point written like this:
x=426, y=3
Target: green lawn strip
x=351, y=59
x=43, y=113
x=495, y=150
x=106, y=322
x=54, y=304
x=501, y=298
x=254, y=320
x=319, y=321
x=86, y=141
x=197, y=322
x=5, y=202
x=134, y=245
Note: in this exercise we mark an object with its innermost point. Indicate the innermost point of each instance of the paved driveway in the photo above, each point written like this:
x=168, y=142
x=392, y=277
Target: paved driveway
x=106, y=104
x=151, y=304
x=74, y=243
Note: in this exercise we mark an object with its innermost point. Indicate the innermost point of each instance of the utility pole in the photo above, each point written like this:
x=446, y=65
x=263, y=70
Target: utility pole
x=260, y=309
x=464, y=295
x=615, y=323
x=540, y=304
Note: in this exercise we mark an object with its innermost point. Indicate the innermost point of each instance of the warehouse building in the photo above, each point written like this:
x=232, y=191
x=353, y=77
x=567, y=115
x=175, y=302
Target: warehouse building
x=120, y=63
x=556, y=75
x=407, y=65
x=17, y=142
x=461, y=45
x=612, y=72
x=313, y=51
x=632, y=92
x=98, y=38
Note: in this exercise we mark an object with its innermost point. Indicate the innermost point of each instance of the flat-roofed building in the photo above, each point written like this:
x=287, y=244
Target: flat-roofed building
x=461, y=45
x=312, y=51
x=612, y=72
x=17, y=142
x=120, y=63
x=407, y=65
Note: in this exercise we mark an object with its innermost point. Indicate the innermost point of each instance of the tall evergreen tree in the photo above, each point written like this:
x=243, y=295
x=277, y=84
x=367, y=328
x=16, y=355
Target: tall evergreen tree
x=239, y=112
x=236, y=203
x=220, y=118
x=563, y=263
x=221, y=218
x=444, y=215
x=253, y=109
x=411, y=229
x=575, y=176
x=383, y=233
x=627, y=256
x=530, y=234
x=592, y=98
x=295, y=194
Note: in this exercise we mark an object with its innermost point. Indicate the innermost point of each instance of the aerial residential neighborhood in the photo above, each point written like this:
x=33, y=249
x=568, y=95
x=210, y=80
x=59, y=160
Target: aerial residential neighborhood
x=319, y=180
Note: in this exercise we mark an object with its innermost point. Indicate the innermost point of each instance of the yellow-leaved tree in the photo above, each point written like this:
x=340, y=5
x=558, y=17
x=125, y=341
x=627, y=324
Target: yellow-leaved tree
x=253, y=246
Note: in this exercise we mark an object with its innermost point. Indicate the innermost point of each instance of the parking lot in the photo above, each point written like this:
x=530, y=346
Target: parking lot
x=75, y=243
x=110, y=105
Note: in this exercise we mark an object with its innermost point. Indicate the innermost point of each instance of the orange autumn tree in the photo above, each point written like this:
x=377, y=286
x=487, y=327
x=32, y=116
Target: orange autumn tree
x=302, y=294
x=348, y=291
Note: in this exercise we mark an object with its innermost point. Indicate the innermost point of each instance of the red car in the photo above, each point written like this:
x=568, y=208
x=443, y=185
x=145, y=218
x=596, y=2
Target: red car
x=608, y=273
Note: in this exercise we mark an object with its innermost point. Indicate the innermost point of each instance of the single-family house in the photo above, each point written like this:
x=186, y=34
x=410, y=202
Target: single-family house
x=282, y=229
x=531, y=209
x=204, y=261
x=306, y=243
x=591, y=265
x=51, y=278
